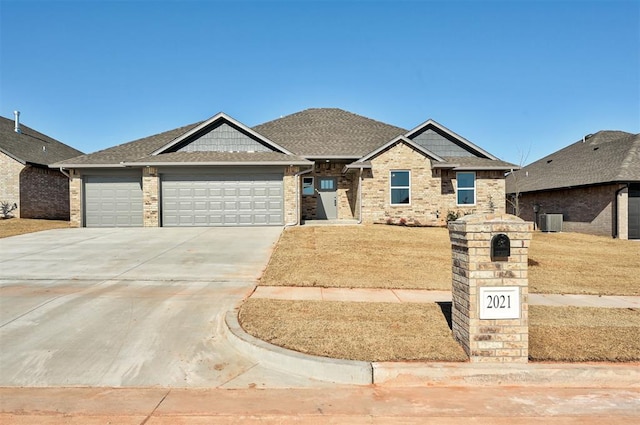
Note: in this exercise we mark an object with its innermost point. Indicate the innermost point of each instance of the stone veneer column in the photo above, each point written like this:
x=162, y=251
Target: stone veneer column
x=150, y=185
x=489, y=340
x=75, y=199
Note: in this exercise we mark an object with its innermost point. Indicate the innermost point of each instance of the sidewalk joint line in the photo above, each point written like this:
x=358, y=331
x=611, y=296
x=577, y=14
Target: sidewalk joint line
x=154, y=409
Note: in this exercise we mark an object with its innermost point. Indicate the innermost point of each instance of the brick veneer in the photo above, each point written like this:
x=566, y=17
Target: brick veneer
x=588, y=210
x=40, y=192
x=150, y=197
x=504, y=340
x=75, y=198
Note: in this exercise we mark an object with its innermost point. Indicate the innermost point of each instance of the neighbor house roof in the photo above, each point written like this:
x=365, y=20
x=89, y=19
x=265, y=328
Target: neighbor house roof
x=604, y=157
x=329, y=132
x=30, y=146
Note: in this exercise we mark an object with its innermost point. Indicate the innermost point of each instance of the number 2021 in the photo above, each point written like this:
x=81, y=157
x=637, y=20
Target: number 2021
x=498, y=301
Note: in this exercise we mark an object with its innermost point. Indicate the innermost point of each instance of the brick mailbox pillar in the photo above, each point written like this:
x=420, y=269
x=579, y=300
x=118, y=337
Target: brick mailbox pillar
x=490, y=315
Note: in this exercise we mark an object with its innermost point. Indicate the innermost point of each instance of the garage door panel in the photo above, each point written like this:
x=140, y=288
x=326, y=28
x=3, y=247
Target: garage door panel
x=222, y=200
x=113, y=201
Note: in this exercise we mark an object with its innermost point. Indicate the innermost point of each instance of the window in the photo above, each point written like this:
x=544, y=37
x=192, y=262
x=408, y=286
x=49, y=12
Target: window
x=307, y=186
x=466, y=188
x=400, y=187
x=327, y=184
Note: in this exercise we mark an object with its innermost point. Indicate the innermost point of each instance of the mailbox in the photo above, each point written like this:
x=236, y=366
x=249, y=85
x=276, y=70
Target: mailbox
x=500, y=247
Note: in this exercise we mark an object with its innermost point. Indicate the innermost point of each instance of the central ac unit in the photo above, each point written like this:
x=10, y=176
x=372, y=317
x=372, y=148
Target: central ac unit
x=551, y=222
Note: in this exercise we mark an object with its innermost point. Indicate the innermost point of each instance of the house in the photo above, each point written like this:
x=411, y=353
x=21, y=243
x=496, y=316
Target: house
x=312, y=165
x=593, y=183
x=25, y=177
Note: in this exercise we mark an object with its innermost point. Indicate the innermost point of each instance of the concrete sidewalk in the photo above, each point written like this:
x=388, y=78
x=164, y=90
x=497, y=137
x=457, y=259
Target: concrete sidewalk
x=425, y=296
x=339, y=405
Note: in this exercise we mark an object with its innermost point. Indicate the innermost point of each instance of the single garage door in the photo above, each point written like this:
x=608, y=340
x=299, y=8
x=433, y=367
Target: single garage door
x=222, y=199
x=112, y=201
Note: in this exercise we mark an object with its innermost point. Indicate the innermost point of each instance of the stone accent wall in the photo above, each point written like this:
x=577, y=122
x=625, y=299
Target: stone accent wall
x=585, y=210
x=44, y=193
x=495, y=340
x=150, y=197
x=75, y=198
x=10, y=181
x=290, y=202
x=433, y=193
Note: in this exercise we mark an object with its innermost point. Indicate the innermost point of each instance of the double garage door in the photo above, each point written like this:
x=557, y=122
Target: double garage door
x=188, y=199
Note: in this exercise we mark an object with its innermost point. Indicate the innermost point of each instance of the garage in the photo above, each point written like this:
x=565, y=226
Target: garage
x=251, y=197
x=113, y=201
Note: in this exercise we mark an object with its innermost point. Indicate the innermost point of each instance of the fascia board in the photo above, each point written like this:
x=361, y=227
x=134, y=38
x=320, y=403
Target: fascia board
x=216, y=163
x=63, y=165
x=452, y=134
x=345, y=157
x=216, y=117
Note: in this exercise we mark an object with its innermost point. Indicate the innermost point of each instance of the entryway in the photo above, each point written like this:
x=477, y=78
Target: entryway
x=327, y=198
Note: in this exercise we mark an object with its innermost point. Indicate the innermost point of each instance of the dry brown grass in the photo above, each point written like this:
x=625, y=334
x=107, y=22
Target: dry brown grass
x=584, y=334
x=19, y=226
x=395, y=332
x=380, y=256
x=355, y=331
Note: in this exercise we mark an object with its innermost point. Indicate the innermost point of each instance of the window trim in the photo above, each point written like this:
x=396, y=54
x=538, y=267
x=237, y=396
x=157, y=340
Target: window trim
x=312, y=186
x=475, y=188
x=391, y=187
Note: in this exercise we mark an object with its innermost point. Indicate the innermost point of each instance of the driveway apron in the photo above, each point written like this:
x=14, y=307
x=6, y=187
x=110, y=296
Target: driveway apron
x=126, y=307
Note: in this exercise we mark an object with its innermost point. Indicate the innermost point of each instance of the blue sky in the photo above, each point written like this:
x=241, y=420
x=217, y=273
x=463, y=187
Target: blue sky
x=518, y=78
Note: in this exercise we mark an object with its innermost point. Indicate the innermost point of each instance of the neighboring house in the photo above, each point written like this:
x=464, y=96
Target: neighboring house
x=314, y=164
x=594, y=183
x=25, y=176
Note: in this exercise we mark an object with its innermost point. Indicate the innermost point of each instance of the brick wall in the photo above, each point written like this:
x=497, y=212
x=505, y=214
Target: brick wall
x=75, y=198
x=432, y=190
x=290, y=202
x=10, y=181
x=585, y=210
x=44, y=193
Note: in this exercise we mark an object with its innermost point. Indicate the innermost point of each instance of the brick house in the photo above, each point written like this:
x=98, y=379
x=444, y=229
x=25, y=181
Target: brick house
x=593, y=183
x=317, y=164
x=25, y=176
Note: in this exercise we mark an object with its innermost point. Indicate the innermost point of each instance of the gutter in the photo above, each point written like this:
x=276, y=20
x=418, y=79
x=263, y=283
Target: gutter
x=615, y=216
x=360, y=197
x=297, y=182
x=65, y=173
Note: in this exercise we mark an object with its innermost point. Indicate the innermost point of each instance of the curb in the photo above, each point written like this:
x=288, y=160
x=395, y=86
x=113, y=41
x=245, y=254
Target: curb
x=407, y=374
x=350, y=372
x=568, y=375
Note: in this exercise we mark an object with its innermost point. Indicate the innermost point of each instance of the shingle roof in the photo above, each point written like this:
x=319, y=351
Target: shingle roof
x=220, y=158
x=471, y=163
x=605, y=157
x=130, y=151
x=333, y=132
x=27, y=146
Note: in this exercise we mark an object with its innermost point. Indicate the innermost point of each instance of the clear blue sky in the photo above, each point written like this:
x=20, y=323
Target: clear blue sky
x=511, y=76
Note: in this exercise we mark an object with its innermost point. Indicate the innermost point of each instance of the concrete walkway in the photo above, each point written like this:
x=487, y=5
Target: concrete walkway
x=424, y=296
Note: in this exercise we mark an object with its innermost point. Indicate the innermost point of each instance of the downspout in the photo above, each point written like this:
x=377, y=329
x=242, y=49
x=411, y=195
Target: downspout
x=297, y=181
x=615, y=216
x=65, y=173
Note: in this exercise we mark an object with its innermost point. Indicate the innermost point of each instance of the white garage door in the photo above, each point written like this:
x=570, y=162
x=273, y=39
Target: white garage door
x=112, y=201
x=222, y=200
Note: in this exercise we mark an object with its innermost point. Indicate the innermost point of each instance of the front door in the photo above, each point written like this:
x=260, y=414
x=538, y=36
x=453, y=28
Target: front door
x=328, y=198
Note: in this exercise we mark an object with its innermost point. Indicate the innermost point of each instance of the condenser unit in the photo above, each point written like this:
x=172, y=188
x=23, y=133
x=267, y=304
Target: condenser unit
x=551, y=222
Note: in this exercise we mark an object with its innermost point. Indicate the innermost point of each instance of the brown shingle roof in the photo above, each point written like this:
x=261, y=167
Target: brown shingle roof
x=605, y=157
x=27, y=146
x=328, y=132
x=220, y=158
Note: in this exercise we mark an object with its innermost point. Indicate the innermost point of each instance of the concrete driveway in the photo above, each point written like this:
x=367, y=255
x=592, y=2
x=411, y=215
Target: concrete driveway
x=128, y=307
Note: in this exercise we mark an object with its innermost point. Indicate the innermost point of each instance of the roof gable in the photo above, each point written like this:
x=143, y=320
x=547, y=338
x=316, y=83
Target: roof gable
x=394, y=142
x=605, y=157
x=444, y=142
x=30, y=146
x=220, y=133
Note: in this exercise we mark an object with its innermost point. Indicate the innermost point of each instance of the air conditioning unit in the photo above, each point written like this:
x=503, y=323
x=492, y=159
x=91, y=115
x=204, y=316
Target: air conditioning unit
x=551, y=222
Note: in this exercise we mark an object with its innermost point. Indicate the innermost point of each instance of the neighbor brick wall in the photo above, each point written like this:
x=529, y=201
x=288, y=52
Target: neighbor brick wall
x=585, y=210
x=44, y=193
x=432, y=190
x=10, y=181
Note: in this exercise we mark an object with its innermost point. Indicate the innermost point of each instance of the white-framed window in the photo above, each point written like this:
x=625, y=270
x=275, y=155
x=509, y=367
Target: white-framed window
x=466, y=188
x=400, y=187
x=307, y=186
